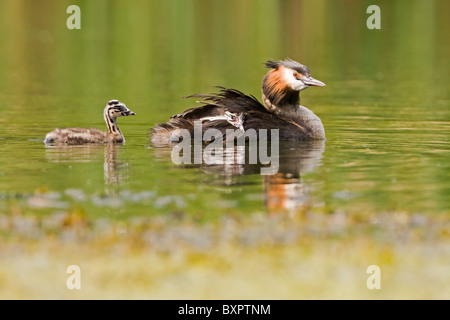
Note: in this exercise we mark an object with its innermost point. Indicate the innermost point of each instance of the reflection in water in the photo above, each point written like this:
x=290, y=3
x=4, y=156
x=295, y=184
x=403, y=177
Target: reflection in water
x=73, y=153
x=283, y=190
x=115, y=172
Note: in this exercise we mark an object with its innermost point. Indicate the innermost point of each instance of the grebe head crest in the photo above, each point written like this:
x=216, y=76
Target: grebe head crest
x=289, y=74
x=116, y=109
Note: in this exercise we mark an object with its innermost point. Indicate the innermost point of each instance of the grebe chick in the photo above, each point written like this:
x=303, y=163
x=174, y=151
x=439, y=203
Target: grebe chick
x=232, y=109
x=112, y=111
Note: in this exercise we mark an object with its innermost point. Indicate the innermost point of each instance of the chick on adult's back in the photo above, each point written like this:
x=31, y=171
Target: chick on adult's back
x=232, y=109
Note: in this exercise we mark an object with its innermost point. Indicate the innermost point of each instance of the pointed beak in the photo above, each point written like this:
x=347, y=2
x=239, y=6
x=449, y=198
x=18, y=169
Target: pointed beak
x=313, y=82
x=129, y=113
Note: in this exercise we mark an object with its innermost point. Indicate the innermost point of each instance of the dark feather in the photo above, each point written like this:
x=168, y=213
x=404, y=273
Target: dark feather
x=256, y=116
x=215, y=104
x=289, y=63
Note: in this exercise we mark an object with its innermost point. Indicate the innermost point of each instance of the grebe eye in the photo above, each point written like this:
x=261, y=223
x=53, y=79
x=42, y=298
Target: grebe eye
x=296, y=75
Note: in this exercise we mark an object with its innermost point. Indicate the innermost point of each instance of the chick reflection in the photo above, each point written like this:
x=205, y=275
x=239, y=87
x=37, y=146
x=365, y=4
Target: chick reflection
x=115, y=172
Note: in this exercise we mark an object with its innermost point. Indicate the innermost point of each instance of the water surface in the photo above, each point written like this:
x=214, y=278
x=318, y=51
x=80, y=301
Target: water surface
x=386, y=109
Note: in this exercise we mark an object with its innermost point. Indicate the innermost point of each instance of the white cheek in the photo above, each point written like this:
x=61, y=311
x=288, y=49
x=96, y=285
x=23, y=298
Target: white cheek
x=292, y=82
x=302, y=86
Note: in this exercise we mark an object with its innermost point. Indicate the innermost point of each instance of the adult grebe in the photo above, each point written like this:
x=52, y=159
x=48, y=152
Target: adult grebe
x=112, y=111
x=231, y=109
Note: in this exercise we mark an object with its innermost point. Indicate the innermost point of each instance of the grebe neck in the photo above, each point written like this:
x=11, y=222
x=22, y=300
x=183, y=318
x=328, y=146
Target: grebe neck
x=286, y=103
x=111, y=123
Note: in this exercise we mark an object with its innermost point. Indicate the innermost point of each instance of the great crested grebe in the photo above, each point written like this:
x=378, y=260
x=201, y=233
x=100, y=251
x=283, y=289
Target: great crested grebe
x=112, y=111
x=232, y=109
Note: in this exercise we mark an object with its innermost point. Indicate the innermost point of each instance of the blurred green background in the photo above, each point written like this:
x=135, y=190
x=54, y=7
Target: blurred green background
x=385, y=110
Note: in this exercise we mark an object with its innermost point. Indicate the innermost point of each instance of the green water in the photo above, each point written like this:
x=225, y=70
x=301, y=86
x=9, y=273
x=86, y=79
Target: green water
x=385, y=108
x=375, y=192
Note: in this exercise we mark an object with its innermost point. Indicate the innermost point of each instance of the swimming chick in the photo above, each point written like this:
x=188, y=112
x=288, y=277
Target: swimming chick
x=232, y=109
x=112, y=111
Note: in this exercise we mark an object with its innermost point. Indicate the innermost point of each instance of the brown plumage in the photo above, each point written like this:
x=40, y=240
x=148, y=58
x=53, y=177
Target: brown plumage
x=232, y=109
x=112, y=111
